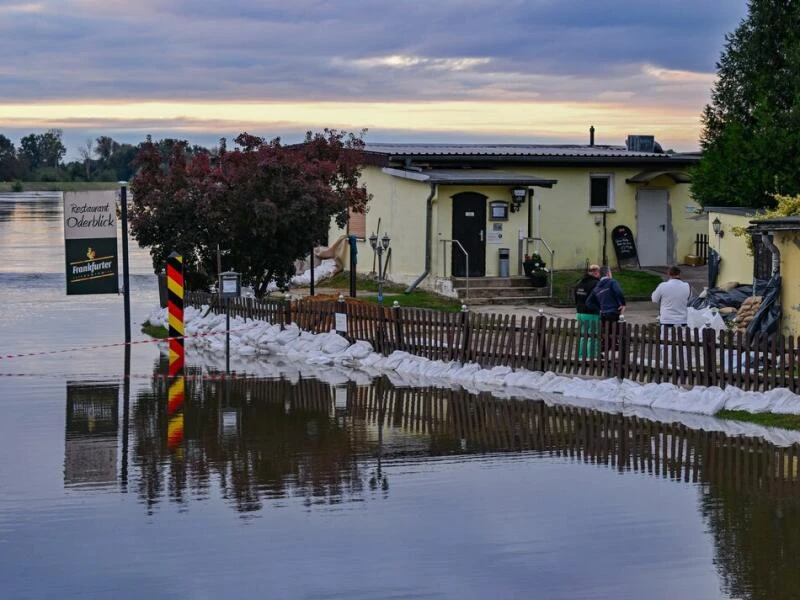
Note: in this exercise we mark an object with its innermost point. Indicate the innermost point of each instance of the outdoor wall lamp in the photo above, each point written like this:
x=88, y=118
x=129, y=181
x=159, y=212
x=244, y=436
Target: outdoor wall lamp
x=716, y=225
x=379, y=248
x=518, y=195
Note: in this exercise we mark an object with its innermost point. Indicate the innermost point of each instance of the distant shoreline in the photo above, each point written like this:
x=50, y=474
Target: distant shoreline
x=59, y=186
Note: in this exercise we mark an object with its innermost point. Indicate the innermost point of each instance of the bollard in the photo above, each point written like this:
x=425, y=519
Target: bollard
x=176, y=392
x=175, y=312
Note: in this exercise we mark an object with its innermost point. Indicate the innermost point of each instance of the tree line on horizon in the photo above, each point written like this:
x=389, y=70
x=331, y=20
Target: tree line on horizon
x=40, y=157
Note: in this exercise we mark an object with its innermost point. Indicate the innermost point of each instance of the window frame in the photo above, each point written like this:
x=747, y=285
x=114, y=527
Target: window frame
x=610, y=205
x=361, y=217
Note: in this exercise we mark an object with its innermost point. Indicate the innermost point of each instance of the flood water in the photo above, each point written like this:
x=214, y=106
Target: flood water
x=295, y=487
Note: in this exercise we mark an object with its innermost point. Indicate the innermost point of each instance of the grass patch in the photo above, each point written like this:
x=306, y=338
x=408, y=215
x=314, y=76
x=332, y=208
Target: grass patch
x=154, y=331
x=636, y=285
x=391, y=292
x=766, y=419
x=59, y=186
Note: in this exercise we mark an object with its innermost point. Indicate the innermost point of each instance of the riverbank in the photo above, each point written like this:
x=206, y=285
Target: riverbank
x=56, y=186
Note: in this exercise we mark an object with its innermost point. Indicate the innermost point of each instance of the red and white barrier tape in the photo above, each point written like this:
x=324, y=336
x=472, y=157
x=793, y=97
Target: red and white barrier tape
x=83, y=348
x=150, y=376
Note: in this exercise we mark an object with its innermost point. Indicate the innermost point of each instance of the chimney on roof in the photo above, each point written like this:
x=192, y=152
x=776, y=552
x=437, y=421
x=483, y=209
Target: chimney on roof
x=591, y=135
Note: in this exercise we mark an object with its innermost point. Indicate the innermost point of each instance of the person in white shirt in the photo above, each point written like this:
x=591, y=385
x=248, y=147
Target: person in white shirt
x=672, y=296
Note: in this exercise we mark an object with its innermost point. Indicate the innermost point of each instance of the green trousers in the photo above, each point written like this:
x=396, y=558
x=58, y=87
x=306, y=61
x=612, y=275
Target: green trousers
x=588, y=346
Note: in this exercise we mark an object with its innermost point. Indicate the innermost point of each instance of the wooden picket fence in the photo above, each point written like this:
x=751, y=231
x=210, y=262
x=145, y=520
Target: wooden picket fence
x=701, y=246
x=484, y=423
x=644, y=353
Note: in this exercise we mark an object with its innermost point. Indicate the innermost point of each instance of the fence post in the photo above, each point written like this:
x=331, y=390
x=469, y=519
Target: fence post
x=398, y=328
x=540, y=343
x=287, y=312
x=463, y=351
x=709, y=356
x=623, y=333
x=340, y=317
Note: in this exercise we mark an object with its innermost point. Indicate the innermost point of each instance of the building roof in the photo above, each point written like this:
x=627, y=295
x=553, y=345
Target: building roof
x=777, y=224
x=742, y=211
x=520, y=153
x=470, y=177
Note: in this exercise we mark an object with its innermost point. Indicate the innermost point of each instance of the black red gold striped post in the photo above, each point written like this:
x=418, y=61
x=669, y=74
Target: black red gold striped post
x=175, y=399
x=177, y=385
x=175, y=311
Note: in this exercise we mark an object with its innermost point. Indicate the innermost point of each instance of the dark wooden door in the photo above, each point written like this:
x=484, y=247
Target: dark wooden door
x=469, y=228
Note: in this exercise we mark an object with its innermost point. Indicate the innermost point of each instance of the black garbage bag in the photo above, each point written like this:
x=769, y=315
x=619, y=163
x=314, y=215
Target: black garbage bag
x=768, y=317
x=719, y=298
x=713, y=267
x=760, y=286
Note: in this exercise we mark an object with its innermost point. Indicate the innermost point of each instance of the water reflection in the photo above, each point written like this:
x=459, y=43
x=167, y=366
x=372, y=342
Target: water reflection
x=272, y=439
x=257, y=443
x=90, y=455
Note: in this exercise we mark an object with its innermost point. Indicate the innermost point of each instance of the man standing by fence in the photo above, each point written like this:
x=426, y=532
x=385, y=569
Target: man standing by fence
x=588, y=318
x=672, y=296
x=608, y=299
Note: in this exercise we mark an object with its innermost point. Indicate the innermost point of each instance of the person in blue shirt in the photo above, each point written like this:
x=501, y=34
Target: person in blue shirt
x=607, y=298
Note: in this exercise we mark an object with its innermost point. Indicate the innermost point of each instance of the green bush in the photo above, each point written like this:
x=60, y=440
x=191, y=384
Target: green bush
x=17, y=186
x=197, y=281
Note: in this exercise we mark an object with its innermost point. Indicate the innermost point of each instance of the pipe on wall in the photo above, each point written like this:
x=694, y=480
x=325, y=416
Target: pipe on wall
x=428, y=240
x=776, y=254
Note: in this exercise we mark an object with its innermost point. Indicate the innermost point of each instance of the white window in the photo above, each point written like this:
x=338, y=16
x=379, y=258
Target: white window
x=601, y=191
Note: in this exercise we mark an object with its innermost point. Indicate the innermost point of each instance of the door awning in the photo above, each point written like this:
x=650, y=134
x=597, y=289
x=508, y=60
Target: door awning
x=648, y=176
x=470, y=177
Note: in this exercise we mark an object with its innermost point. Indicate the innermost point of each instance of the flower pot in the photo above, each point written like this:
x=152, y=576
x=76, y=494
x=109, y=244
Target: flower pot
x=538, y=279
x=528, y=267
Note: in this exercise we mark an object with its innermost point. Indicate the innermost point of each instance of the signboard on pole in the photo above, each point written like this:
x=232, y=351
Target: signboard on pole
x=90, y=242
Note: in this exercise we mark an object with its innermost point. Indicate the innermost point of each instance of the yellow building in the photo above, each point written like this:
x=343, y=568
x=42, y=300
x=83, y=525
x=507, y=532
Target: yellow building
x=737, y=262
x=446, y=205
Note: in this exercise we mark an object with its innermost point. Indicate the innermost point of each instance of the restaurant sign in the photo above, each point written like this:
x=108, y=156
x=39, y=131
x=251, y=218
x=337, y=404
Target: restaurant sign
x=90, y=242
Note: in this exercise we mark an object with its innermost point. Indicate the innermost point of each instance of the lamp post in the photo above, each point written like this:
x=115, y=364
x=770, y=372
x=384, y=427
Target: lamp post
x=379, y=249
x=716, y=224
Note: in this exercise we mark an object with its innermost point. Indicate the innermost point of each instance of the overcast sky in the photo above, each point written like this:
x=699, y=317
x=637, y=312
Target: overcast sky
x=451, y=70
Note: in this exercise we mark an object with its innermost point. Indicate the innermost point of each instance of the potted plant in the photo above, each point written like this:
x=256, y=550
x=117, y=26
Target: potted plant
x=535, y=269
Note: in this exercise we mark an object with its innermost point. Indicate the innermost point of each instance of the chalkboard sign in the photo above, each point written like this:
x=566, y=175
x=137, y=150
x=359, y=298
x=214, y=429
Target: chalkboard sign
x=624, y=245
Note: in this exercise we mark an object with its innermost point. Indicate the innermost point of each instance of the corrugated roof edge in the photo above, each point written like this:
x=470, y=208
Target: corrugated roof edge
x=559, y=151
x=742, y=211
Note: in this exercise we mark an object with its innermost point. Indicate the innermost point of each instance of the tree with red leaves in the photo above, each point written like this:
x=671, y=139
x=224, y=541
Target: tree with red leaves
x=264, y=203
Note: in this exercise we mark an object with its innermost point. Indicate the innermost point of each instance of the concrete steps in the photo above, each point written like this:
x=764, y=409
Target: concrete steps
x=499, y=290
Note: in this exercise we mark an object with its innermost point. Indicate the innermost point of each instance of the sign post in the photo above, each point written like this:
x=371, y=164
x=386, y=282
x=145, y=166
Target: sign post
x=230, y=287
x=90, y=243
x=126, y=279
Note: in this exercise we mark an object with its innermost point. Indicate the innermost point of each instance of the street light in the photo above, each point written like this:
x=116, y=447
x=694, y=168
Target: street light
x=379, y=249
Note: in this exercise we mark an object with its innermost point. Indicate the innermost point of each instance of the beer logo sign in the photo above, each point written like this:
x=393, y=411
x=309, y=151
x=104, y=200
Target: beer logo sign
x=93, y=267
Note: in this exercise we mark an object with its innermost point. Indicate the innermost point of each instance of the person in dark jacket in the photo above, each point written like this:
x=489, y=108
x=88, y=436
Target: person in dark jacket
x=608, y=299
x=588, y=318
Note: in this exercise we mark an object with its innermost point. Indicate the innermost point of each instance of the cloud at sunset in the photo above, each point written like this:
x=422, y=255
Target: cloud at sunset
x=462, y=69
